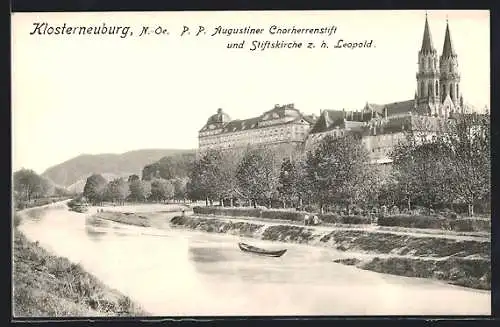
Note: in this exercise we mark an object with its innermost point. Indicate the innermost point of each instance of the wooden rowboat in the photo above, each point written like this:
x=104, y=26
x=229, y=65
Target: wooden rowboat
x=252, y=249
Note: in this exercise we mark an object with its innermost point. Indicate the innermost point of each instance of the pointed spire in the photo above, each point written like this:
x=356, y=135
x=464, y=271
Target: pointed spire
x=427, y=45
x=448, y=50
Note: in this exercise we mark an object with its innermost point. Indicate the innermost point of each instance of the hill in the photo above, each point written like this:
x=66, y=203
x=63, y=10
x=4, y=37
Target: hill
x=71, y=173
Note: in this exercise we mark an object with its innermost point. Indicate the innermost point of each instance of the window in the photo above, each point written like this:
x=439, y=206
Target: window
x=437, y=88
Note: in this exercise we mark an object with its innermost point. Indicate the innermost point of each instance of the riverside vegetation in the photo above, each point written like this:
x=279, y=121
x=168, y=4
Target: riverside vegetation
x=45, y=285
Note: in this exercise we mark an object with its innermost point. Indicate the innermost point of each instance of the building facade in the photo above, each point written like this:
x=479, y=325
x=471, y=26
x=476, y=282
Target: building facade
x=381, y=126
x=284, y=126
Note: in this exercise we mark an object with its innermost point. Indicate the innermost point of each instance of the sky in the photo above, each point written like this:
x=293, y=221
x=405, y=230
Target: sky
x=91, y=94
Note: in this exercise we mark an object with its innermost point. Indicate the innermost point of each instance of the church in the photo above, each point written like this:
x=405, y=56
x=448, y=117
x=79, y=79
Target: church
x=380, y=126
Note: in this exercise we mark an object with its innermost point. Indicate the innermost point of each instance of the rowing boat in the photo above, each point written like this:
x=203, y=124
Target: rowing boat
x=252, y=249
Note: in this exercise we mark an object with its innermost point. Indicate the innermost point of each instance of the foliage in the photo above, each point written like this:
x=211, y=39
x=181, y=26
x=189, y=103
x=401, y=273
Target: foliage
x=337, y=171
x=139, y=190
x=450, y=165
x=29, y=185
x=132, y=178
x=95, y=188
x=161, y=189
x=257, y=174
x=117, y=190
x=180, y=188
x=169, y=167
x=287, y=183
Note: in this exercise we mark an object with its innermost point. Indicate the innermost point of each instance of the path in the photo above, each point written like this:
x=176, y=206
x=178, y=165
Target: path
x=369, y=228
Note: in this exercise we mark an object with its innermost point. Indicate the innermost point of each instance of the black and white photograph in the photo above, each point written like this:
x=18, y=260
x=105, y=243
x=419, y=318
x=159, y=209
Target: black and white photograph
x=251, y=163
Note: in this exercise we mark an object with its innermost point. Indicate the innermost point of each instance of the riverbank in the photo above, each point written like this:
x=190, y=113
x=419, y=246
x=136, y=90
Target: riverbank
x=459, y=258
x=463, y=260
x=45, y=285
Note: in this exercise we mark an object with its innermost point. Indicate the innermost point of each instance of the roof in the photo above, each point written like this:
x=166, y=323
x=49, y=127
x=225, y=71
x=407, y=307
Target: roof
x=448, y=50
x=401, y=107
x=394, y=108
x=427, y=46
x=287, y=112
x=331, y=119
x=219, y=118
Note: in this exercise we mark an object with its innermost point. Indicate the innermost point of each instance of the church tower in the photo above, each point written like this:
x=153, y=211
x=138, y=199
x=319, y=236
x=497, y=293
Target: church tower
x=450, y=76
x=427, y=95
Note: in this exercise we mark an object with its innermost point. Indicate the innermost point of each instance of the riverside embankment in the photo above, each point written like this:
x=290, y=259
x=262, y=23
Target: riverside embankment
x=178, y=271
x=46, y=285
x=458, y=258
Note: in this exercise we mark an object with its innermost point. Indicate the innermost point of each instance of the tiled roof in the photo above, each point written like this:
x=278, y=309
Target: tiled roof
x=394, y=108
x=278, y=112
x=331, y=119
x=400, y=107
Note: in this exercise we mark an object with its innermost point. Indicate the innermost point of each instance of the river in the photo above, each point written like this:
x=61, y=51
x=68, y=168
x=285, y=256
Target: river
x=175, y=272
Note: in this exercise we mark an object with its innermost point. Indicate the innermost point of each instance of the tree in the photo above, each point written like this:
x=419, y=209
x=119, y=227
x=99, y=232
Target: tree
x=139, y=190
x=224, y=176
x=337, y=171
x=422, y=171
x=468, y=139
x=94, y=188
x=133, y=178
x=257, y=175
x=288, y=182
x=169, y=167
x=28, y=184
x=161, y=189
x=205, y=176
x=180, y=188
x=117, y=190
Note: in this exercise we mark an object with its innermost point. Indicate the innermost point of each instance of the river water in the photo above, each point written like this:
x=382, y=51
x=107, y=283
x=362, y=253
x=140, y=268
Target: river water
x=175, y=272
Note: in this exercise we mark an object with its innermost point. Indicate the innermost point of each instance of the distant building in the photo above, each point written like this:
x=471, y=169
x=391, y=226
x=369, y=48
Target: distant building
x=281, y=126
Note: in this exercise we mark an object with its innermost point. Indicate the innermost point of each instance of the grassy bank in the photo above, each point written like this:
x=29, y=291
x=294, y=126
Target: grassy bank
x=124, y=218
x=45, y=285
x=468, y=272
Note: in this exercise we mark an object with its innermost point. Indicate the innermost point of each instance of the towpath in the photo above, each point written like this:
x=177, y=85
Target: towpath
x=474, y=236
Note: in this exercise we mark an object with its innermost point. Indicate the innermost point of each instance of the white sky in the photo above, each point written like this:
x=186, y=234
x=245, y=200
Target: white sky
x=104, y=94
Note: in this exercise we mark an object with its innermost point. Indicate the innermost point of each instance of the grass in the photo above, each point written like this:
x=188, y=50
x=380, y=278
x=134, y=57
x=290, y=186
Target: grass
x=473, y=273
x=124, y=218
x=45, y=285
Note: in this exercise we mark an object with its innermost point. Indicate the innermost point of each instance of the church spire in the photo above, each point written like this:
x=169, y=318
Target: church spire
x=448, y=50
x=427, y=46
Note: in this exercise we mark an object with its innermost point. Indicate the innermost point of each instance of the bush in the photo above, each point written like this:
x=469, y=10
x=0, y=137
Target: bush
x=336, y=219
x=472, y=225
x=283, y=215
x=416, y=221
x=236, y=212
x=431, y=222
x=279, y=214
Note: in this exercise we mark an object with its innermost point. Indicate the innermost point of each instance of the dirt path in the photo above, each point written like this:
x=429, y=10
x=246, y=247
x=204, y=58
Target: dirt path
x=369, y=228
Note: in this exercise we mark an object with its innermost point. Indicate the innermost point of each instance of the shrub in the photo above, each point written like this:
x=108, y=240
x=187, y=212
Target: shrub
x=283, y=215
x=416, y=221
x=472, y=225
x=336, y=219
x=431, y=222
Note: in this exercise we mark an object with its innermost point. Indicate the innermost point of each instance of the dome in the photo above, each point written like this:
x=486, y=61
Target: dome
x=219, y=117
